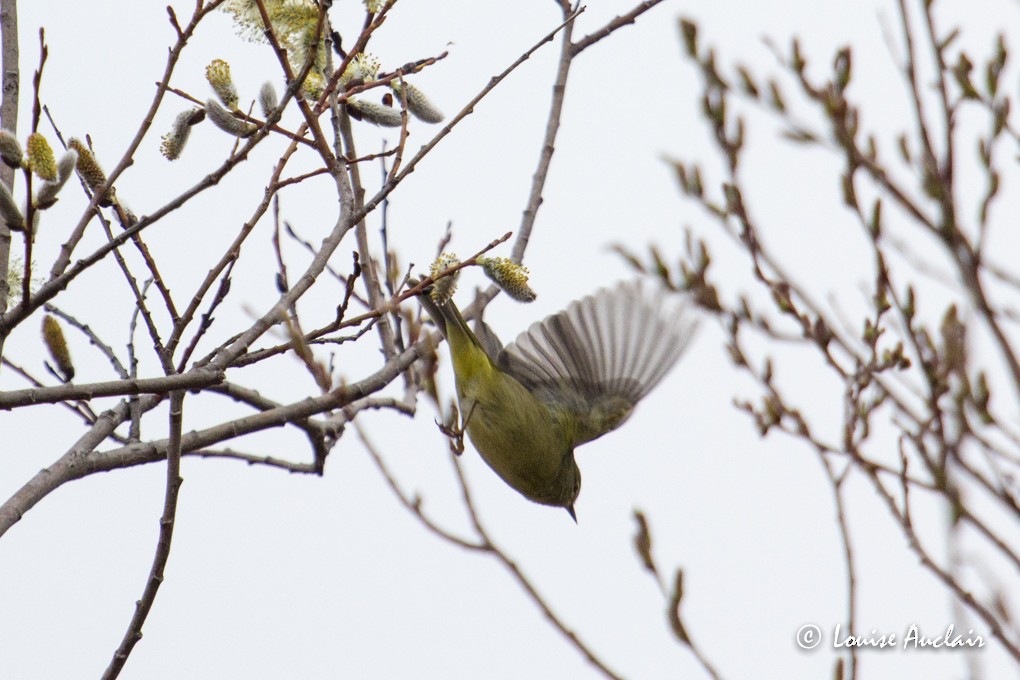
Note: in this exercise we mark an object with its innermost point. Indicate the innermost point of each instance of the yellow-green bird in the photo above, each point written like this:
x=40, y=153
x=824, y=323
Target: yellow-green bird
x=565, y=381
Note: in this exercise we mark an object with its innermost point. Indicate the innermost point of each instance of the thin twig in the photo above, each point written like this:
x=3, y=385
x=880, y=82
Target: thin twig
x=166, y=532
x=414, y=505
x=612, y=26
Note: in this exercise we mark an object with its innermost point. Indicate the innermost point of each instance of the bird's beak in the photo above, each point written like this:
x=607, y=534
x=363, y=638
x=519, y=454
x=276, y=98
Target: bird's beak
x=570, y=511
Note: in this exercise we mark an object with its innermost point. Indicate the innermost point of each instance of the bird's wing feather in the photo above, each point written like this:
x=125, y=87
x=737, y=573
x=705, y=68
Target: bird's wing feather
x=603, y=353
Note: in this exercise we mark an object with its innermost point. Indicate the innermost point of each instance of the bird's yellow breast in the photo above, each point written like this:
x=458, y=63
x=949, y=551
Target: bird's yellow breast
x=516, y=434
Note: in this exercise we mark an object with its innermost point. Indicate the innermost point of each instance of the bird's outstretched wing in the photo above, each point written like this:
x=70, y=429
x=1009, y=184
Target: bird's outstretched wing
x=603, y=353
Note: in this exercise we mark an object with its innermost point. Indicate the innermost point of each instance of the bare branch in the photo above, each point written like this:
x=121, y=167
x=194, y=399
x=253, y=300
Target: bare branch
x=166, y=532
x=611, y=27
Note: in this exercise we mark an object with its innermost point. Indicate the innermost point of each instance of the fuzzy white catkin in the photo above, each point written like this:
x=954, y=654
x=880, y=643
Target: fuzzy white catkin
x=268, y=99
x=175, y=140
x=225, y=121
x=418, y=104
x=386, y=116
x=47, y=194
x=9, y=210
x=10, y=149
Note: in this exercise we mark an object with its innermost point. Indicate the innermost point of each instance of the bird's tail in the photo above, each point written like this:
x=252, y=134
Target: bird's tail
x=444, y=315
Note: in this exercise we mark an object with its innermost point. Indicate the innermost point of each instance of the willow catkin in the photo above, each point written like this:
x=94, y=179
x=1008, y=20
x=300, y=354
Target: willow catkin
x=218, y=75
x=11, y=152
x=226, y=121
x=173, y=142
x=53, y=337
x=90, y=171
x=417, y=103
x=386, y=116
x=47, y=194
x=444, y=288
x=40, y=158
x=9, y=210
x=510, y=276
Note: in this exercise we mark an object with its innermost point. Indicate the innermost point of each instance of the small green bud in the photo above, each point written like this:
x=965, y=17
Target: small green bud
x=643, y=542
x=689, y=33
x=954, y=340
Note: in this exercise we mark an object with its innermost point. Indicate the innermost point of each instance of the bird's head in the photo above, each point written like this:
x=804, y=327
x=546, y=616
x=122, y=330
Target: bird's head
x=572, y=482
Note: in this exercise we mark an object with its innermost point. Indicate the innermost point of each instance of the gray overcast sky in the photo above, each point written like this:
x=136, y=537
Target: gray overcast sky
x=283, y=576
